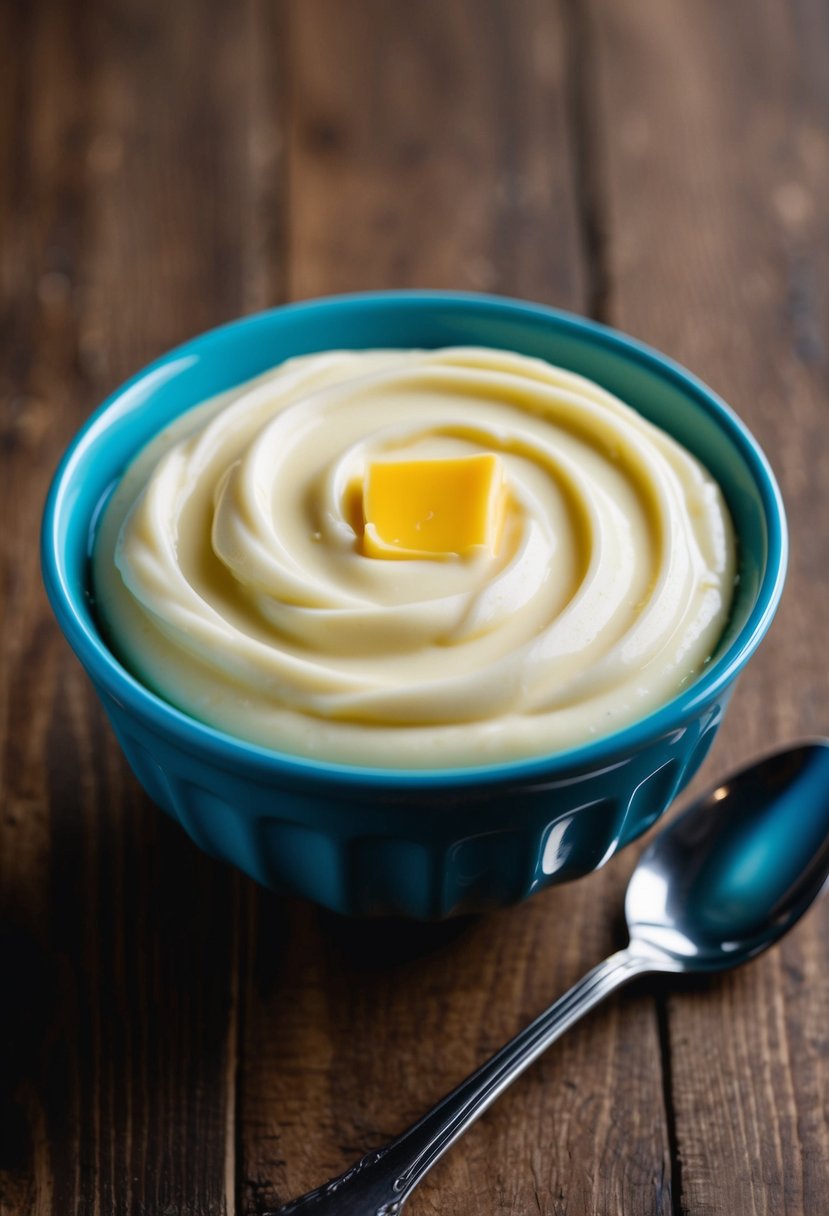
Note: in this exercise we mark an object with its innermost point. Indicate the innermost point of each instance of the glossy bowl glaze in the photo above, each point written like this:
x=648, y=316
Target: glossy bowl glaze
x=423, y=844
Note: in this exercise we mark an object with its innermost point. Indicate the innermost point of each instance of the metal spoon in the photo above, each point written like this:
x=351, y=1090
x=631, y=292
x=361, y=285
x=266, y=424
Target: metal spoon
x=721, y=883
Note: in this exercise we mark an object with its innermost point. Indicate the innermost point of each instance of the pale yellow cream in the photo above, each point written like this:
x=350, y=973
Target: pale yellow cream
x=230, y=574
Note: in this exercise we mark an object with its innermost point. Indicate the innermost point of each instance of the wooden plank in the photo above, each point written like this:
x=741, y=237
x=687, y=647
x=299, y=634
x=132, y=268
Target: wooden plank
x=430, y=149
x=132, y=213
x=429, y=144
x=716, y=131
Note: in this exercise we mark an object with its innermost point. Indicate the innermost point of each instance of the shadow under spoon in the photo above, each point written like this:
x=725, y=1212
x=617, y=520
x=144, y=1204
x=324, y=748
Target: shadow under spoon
x=719, y=884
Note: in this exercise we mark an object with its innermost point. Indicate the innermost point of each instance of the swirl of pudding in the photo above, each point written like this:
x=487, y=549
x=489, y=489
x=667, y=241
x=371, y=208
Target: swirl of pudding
x=415, y=559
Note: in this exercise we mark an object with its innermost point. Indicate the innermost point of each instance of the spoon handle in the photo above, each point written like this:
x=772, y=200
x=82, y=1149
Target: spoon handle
x=379, y=1184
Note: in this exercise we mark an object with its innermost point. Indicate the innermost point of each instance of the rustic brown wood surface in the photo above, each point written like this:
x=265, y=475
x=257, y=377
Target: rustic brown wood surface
x=172, y=1039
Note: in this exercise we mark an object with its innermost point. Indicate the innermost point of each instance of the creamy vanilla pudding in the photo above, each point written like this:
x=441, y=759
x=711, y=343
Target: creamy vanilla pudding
x=415, y=559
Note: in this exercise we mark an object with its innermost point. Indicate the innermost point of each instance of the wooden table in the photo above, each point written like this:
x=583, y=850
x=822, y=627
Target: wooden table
x=175, y=1040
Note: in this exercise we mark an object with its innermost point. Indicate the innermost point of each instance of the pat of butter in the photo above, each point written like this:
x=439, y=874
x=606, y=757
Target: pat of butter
x=433, y=508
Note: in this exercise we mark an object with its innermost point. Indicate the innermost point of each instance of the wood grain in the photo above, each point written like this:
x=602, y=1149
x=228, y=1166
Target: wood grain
x=431, y=148
x=121, y=220
x=173, y=1040
x=717, y=189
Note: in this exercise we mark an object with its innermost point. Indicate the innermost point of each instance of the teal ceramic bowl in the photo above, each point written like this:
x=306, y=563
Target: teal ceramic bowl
x=423, y=844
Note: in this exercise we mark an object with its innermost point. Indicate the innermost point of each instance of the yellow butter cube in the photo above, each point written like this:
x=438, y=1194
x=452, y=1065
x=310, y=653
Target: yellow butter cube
x=433, y=508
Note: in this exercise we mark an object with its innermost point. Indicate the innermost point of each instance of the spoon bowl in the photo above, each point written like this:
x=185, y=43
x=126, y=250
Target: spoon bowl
x=722, y=882
x=731, y=875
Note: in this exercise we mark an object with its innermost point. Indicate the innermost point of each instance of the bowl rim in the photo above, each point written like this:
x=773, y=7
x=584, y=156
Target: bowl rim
x=197, y=737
